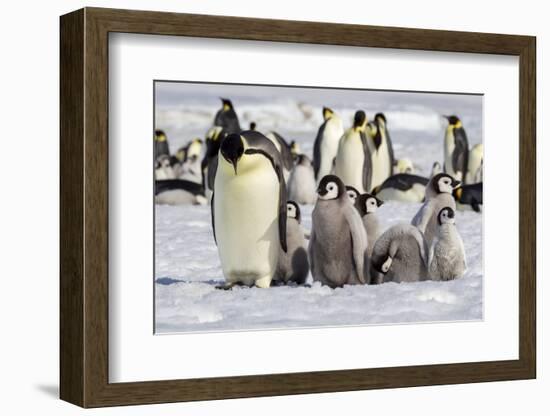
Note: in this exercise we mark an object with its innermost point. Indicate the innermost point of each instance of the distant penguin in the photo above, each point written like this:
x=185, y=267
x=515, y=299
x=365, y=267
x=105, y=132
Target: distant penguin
x=301, y=183
x=214, y=137
x=283, y=147
x=438, y=195
x=163, y=168
x=191, y=165
x=353, y=163
x=404, y=165
x=295, y=149
x=381, y=150
x=367, y=205
x=161, y=144
x=249, y=209
x=338, y=240
x=436, y=168
x=447, y=260
x=455, y=149
x=326, y=143
x=293, y=265
x=400, y=255
x=475, y=165
x=469, y=196
x=353, y=194
x=252, y=126
x=402, y=187
x=179, y=192
x=226, y=117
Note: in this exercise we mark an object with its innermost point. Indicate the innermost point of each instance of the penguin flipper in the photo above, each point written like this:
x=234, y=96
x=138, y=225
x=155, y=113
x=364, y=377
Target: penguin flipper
x=367, y=163
x=213, y=218
x=317, y=150
x=282, y=209
x=358, y=240
x=422, y=217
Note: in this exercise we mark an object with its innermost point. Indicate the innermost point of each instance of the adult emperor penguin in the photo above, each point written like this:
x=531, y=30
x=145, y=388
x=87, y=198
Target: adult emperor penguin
x=284, y=148
x=367, y=205
x=400, y=255
x=179, y=192
x=353, y=161
x=226, y=117
x=447, y=260
x=438, y=195
x=475, y=165
x=338, y=240
x=469, y=196
x=381, y=150
x=249, y=209
x=353, y=194
x=293, y=265
x=455, y=149
x=403, y=187
x=301, y=183
x=326, y=143
x=161, y=144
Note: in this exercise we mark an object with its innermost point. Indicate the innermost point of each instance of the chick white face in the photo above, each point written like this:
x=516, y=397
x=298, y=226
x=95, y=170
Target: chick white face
x=445, y=183
x=328, y=191
x=371, y=205
x=446, y=216
x=291, y=211
x=352, y=194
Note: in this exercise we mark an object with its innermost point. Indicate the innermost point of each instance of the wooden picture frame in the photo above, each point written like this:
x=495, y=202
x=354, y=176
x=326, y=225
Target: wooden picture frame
x=84, y=207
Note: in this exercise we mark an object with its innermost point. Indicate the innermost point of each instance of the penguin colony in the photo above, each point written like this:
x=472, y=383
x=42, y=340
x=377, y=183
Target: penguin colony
x=255, y=183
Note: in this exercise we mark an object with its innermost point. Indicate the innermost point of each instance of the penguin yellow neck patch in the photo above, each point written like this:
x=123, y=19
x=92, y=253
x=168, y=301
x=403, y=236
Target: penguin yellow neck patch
x=161, y=138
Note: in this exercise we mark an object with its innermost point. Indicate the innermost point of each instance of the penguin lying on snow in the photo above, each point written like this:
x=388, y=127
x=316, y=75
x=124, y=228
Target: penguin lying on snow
x=249, y=209
x=338, y=241
x=164, y=169
x=301, y=183
x=367, y=205
x=469, y=196
x=400, y=255
x=402, y=187
x=293, y=265
x=438, y=195
x=326, y=143
x=447, y=259
x=179, y=192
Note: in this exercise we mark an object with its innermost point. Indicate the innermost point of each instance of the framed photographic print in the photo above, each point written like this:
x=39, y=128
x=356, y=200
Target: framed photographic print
x=255, y=207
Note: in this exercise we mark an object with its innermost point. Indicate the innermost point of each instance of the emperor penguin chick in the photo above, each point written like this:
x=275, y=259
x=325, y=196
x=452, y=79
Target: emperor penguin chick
x=249, y=209
x=439, y=194
x=301, y=184
x=367, y=205
x=447, y=260
x=399, y=255
x=338, y=241
x=293, y=266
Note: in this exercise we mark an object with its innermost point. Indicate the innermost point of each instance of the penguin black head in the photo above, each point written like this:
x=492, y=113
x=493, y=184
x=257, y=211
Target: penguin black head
x=359, y=119
x=446, y=216
x=367, y=204
x=380, y=116
x=232, y=148
x=453, y=120
x=331, y=187
x=160, y=136
x=444, y=183
x=352, y=193
x=252, y=126
x=293, y=211
x=226, y=104
x=327, y=113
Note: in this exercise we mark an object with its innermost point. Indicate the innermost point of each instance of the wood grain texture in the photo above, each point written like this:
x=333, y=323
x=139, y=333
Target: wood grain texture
x=84, y=207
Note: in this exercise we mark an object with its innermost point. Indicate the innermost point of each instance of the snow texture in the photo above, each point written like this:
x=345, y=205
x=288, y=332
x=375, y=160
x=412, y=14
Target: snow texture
x=187, y=268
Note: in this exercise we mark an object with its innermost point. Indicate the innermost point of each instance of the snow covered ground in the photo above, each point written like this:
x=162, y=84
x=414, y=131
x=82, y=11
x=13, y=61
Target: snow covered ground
x=187, y=267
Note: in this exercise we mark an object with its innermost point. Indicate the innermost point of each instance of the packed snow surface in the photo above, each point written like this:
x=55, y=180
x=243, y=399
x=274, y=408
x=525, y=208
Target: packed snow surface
x=187, y=268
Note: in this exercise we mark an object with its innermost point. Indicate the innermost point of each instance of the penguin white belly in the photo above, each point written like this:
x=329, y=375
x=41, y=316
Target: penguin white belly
x=246, y=219
x=475, y=160
x=414, y=194
x=301, y=185
x=329, y=149
x=349, y=163
x=449, y=149
x=381, y=167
